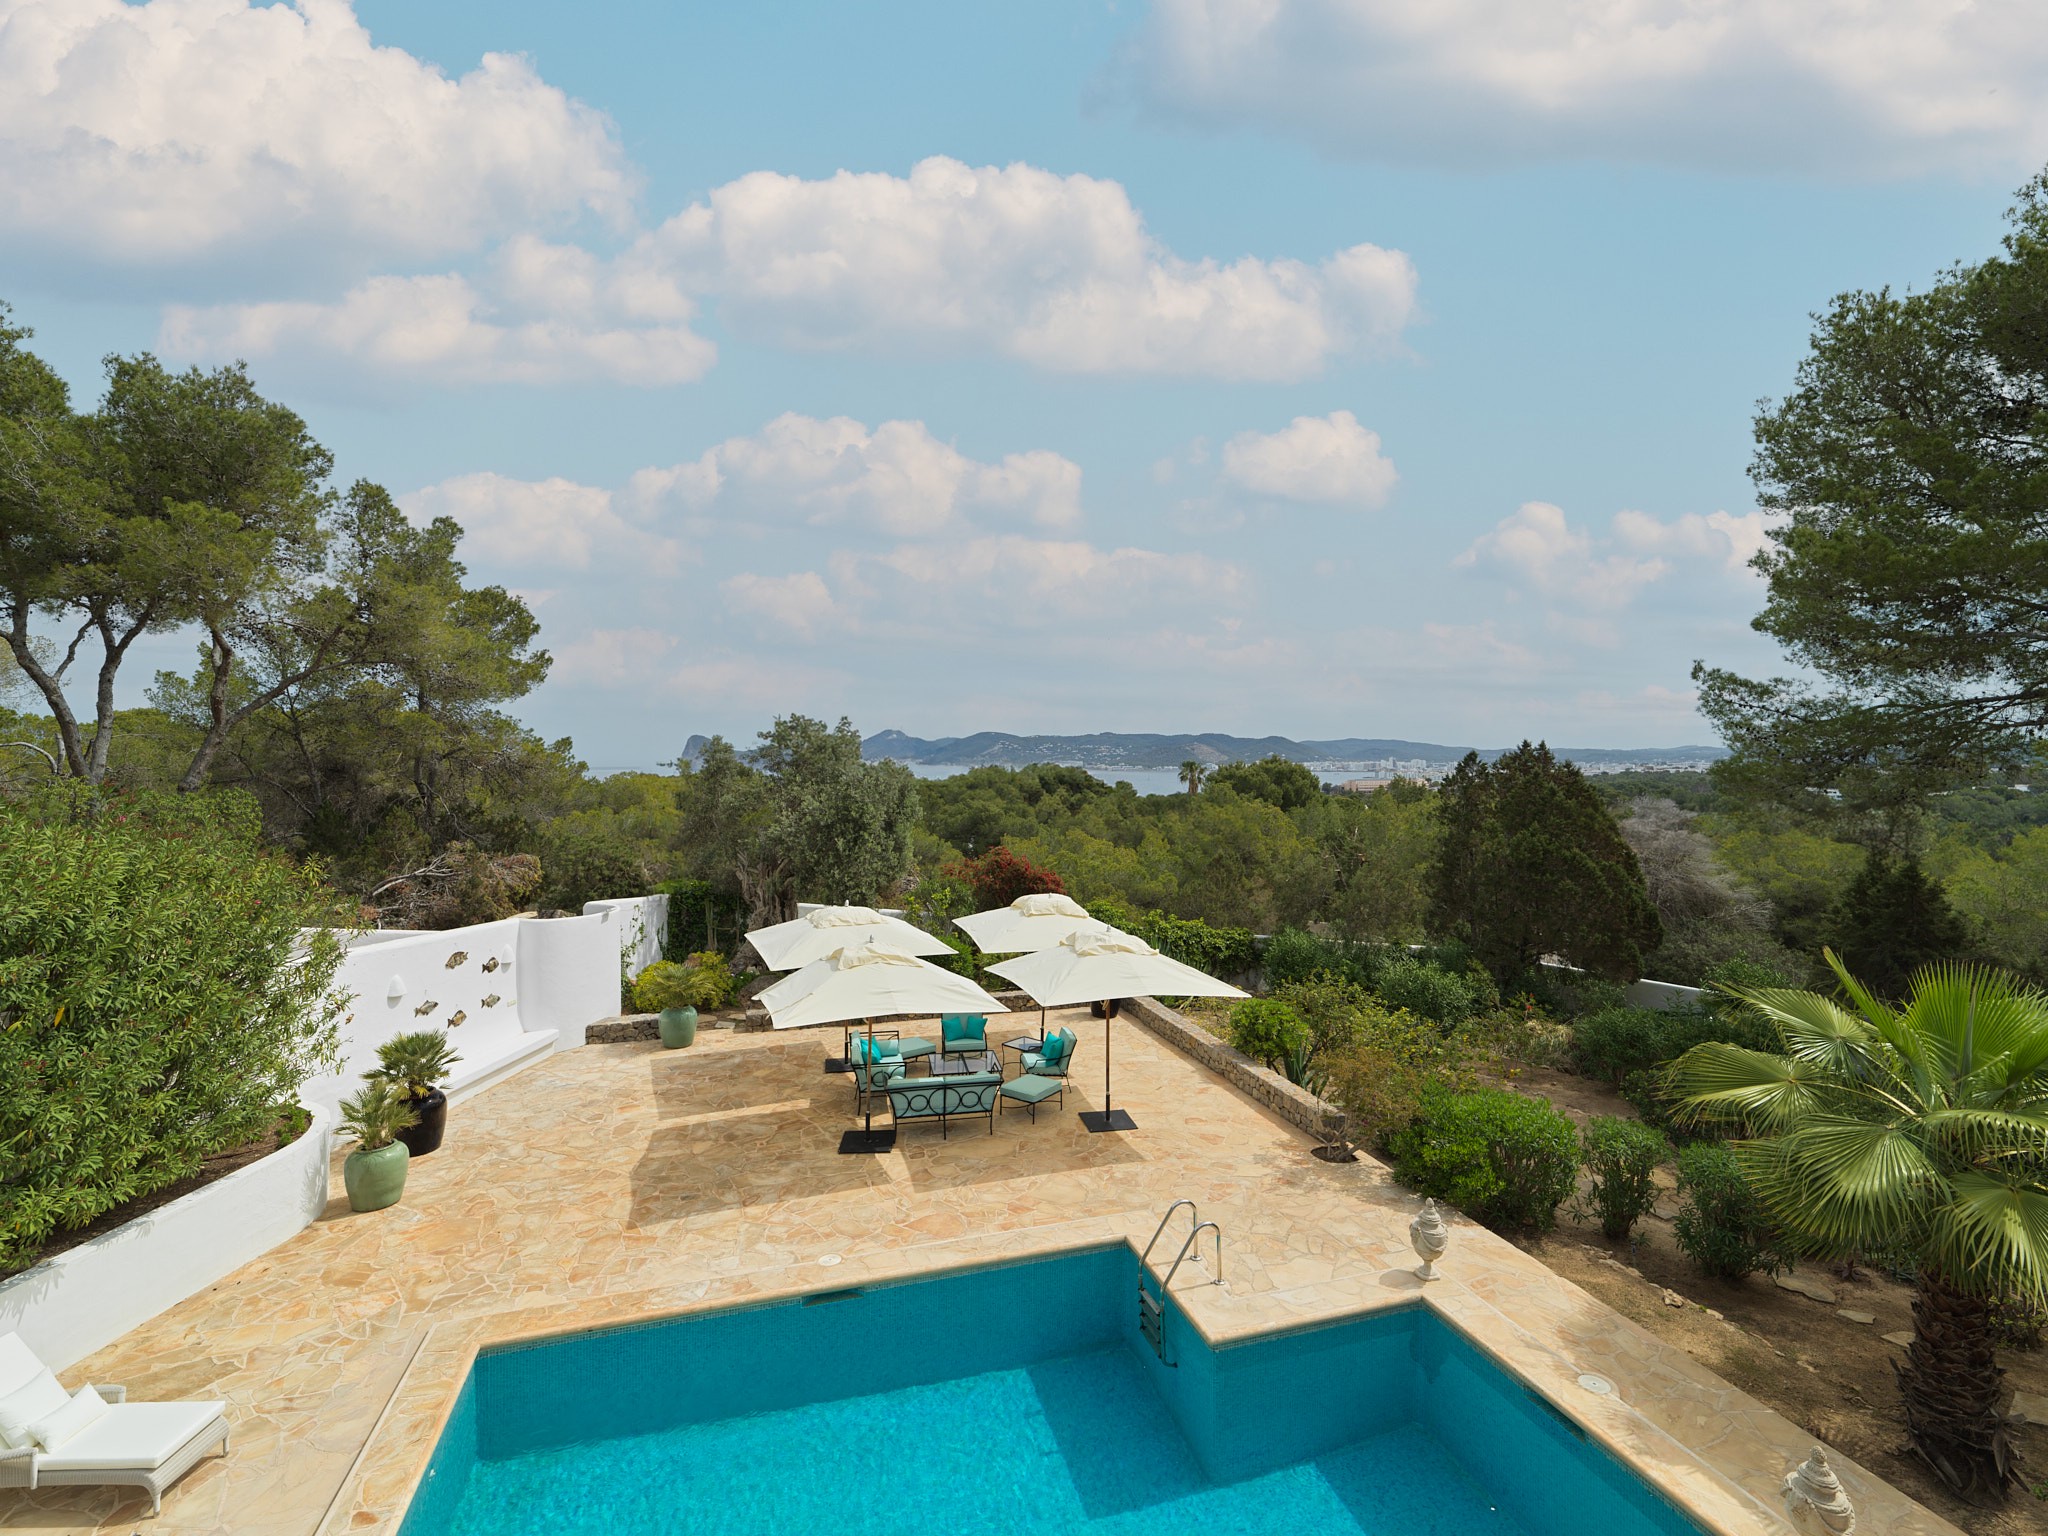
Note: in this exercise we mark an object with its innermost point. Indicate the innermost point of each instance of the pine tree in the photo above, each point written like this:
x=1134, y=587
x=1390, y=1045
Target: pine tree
x=1892, y=920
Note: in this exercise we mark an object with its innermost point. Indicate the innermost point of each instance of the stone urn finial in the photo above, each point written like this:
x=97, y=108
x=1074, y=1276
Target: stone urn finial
x=1812, y=1485
x=1428, y=1235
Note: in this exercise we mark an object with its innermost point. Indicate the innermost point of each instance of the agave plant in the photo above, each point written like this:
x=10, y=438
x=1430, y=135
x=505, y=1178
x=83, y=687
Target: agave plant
x=376, y=1114
x=1923, y=1125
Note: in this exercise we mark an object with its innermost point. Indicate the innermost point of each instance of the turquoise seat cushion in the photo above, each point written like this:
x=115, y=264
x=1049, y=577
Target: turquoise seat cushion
x=968, y=1094
x=964, y=1031
x=916, y=1045
x=1030, y=1089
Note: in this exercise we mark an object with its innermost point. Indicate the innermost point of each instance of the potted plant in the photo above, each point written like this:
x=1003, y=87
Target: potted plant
x=416, y=1063
x=374, y=1174
x=676, y=992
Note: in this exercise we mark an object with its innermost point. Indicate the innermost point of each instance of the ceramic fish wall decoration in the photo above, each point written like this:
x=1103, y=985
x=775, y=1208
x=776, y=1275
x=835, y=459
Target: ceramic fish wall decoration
x=490, y=965
x=491, y=1001
x=425, y=1008
x=457, y=958
x=457, y=1017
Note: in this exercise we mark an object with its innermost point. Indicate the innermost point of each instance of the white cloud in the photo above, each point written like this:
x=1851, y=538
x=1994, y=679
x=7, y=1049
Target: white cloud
x=1054, y=271
x=1324, y=459
x=798, y=603
x=540, y=524
x=1901, y=87
x=611, y=658
x=175, y=130
x=896, y=478
x=1727, y=538
x=1536, y=545
x=1058, y=271
x=546, y=314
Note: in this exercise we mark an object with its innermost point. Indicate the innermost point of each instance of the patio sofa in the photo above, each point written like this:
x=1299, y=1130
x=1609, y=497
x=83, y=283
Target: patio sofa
x=946, y=1099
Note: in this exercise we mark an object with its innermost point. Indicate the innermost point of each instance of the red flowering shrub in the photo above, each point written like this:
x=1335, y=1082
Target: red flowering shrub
x=999, y=877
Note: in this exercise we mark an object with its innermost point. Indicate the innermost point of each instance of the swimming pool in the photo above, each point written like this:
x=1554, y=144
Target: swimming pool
x=1021, y=1399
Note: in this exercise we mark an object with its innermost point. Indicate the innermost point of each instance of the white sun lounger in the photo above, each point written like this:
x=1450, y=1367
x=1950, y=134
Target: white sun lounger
x=141, y=1445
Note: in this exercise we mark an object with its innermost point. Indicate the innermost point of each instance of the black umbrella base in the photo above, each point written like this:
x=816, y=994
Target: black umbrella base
x=838, y=1064
x=868, y=1141
x=1108, y=1120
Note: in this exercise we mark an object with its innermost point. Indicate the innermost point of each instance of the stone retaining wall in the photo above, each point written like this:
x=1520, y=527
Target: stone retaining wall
x=1290, y=1102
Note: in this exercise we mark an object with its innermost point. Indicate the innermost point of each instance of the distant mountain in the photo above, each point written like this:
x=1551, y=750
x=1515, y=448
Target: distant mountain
x=1109, y=750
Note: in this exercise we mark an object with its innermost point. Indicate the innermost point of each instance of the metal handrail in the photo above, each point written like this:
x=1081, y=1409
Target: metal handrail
x=1166, y=1285
x=1194, y=1215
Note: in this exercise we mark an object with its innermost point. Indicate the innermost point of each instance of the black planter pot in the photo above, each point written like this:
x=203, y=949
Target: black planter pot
x=425, y=1134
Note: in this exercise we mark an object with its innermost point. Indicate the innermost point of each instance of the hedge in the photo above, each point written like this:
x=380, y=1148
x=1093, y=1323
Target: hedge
x=1502, y=1159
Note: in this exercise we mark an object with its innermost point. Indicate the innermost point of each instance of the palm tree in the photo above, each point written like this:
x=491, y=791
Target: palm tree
x=1923, y=1126
x=1192, y=773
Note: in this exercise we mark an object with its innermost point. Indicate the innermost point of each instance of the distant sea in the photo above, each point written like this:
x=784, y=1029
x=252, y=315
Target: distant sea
x=1146, y=781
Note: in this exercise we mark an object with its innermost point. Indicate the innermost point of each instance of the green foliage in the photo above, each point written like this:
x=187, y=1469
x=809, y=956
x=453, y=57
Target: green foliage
x=587, y=858
x=1276, y=780
x=1267, y=1031
x=1722, y=1226
x=376, y=1114
x=1294, y=955
x=1395, y=1060
x=705, y=980
x=155, y=1007
x=1531, y=864
x=1907, y=562
x=1423, y=987
x=1333, y=1009
x=1893, y=920
x=700, y=918
x=1218, y=951
x=1620, y=1156
x=1617, y=1043
x=1504, y=1160
x=416, y=1062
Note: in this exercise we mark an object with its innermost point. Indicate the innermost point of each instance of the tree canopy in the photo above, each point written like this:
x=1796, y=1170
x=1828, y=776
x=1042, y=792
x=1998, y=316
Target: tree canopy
x=1908, y=567
x=1530, y=864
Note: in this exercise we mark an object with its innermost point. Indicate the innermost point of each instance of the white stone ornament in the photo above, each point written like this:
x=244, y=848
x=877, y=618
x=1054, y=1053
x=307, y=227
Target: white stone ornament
x=1429, y=1237
x=1811, y=1489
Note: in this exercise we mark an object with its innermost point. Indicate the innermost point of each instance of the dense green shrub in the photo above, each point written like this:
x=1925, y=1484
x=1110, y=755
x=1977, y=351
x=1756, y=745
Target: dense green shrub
x=1621, y=1155
x=1502, y=1159
x=1618, y=1043
x=702, y=981
x=1614, y=1042
x=1267, y=1031
x=1722, y=1226
x=1292, y=955
x=157, y=1004
x=1427, y=989
x=1218, y=951
x=1396, y=1060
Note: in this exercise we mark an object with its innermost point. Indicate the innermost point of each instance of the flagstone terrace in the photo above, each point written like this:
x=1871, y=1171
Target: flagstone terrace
x=622, y=1181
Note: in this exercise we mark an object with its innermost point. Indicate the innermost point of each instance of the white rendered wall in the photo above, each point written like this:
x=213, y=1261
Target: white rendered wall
x=86, y=1297
x=643, y=928
x=569, y=973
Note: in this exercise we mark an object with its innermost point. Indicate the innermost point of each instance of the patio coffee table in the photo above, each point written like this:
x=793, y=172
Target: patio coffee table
x=965, y=1063
x=1025, y=1043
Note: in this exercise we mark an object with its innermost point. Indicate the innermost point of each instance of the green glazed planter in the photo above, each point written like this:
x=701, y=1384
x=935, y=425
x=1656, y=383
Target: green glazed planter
x=375, y=1179
x=678, y=1027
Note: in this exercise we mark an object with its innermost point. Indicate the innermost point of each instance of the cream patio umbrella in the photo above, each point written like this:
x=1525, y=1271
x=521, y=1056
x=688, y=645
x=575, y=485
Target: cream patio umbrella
x=870, y=981
x=1099, y=964
x=792, y=945
x=1026, y=925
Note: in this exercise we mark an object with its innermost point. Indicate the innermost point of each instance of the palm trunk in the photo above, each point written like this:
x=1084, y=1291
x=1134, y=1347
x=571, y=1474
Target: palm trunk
x=1951, y=1386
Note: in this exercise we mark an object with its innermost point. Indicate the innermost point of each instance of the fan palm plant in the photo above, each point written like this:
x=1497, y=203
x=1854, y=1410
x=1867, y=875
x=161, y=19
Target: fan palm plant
x=1924, y=1126
x=1192, y=773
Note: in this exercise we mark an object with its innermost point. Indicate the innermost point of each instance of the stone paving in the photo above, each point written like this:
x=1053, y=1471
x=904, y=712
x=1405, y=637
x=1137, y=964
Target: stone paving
x=622, y=1181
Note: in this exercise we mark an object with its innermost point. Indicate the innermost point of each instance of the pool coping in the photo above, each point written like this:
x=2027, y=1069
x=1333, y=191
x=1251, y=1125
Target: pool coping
x=1724, y=1494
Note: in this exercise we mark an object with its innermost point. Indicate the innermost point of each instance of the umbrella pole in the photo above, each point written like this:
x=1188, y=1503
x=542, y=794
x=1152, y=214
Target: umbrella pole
x=1109, y=1117
x=867, y=1138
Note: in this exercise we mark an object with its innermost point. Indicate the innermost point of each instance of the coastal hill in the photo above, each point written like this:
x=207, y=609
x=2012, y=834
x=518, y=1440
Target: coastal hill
x=1116, y=749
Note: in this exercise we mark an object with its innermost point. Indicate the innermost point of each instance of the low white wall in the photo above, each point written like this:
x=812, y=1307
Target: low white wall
x=1662, y=994
x=643, y=928
x=569, y=973
x=88, y=1296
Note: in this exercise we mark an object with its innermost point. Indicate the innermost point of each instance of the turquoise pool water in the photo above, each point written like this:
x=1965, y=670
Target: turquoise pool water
x=1017, y=1399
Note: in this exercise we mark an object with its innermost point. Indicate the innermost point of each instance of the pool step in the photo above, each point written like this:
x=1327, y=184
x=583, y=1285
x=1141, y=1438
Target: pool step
x=1151, y=1304
x=1151, y=1317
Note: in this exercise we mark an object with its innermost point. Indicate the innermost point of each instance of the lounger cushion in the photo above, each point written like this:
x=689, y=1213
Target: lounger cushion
x=916, y=1045
x=1032, y=1090
x=18, y=1364
x=132, y=1436
x=83, y=1409
x=37, y=1398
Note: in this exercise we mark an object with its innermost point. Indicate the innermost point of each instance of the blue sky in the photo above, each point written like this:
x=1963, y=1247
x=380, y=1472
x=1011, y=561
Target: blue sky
x=1311, y=367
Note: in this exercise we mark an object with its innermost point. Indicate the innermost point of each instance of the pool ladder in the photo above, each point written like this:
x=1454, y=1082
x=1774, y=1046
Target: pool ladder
x=1151, y=1303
